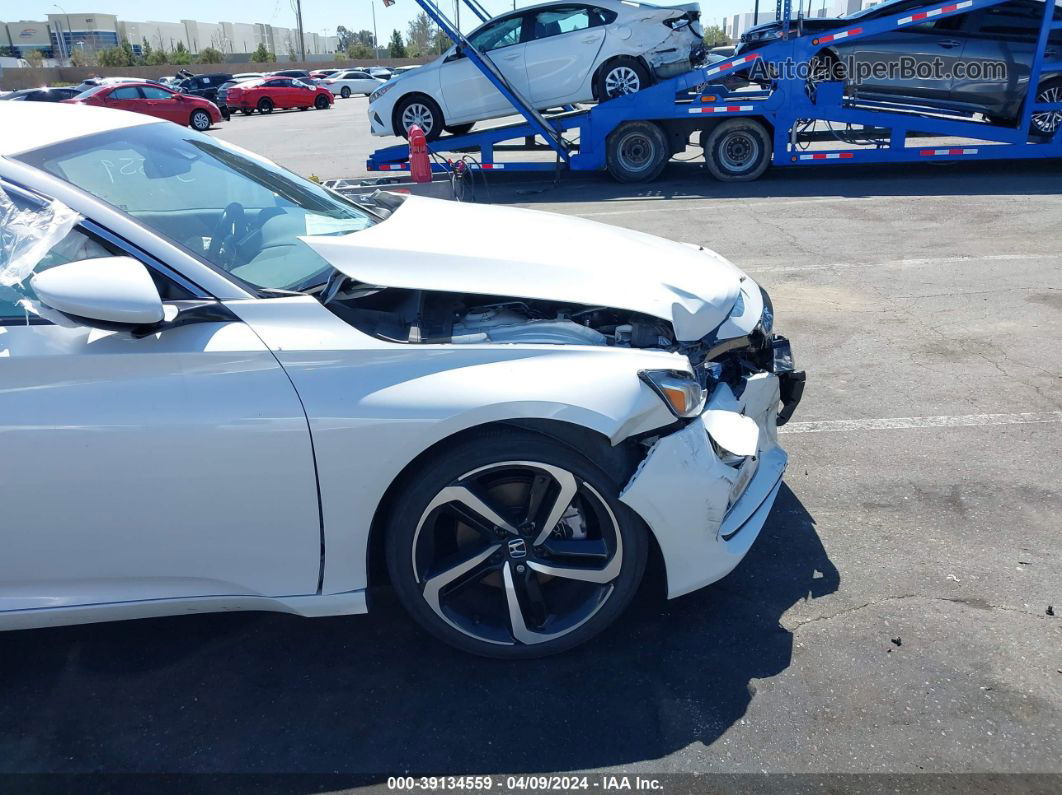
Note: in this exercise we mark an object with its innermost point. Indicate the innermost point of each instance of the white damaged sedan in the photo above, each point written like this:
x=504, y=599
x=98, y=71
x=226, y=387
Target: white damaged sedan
x=552, y=54
x=226, y=388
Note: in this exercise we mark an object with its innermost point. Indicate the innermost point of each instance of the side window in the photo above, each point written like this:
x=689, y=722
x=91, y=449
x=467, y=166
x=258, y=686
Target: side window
x=125, y=92
x=602, y=16
x=504, y=33
x=76, y=245
x=150, y=92
x=1016, y=21
x=277, y=83
x=558, y=20
x=936, y=26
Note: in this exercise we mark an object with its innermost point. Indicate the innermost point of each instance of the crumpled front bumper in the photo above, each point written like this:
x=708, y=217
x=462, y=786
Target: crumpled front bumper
x=705, y=514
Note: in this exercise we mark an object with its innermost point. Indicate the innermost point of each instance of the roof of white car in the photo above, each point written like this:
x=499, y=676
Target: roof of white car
x=30, y=125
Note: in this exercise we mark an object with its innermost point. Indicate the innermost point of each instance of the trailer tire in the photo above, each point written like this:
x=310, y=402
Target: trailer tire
x=737, y=150
x=636, y=151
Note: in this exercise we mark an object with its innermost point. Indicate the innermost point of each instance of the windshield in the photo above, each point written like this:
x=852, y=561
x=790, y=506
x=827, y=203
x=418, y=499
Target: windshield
x=236, y=211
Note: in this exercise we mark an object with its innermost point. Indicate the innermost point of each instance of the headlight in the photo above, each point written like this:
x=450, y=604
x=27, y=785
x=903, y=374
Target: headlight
x=680, y=391
x=375, y=95
x=767, y=317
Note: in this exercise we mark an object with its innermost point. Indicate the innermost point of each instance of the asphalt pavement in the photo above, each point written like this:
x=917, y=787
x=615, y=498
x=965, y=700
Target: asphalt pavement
x=899, y=612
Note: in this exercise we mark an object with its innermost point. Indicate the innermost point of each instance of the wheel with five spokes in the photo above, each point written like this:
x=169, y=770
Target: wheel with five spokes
x=513, y=545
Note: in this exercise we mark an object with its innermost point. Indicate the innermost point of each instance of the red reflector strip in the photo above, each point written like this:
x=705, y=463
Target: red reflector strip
x=722, y=109
x=946, y=152
x=935, y=12
x=844, y=34
x=493, y=165
x=727, y=65
x=828, y=156
x=393, y=167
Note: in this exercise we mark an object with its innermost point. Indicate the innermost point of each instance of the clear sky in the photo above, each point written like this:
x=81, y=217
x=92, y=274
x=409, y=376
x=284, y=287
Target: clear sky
x=319, y=16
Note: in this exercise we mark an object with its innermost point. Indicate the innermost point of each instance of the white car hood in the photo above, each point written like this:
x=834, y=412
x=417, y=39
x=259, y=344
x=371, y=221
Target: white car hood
x=431, y=244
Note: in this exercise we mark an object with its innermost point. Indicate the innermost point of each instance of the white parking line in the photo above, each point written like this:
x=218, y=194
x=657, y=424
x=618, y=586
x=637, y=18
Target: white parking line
x=897, y=263
x=896, y=423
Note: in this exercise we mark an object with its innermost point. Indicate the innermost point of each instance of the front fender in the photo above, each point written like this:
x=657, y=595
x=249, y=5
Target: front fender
x=374, y=406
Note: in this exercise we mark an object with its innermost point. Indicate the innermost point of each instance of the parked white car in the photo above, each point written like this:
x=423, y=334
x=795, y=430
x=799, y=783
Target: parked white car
x=352, y=81
x=227, y=388
x=553, y=54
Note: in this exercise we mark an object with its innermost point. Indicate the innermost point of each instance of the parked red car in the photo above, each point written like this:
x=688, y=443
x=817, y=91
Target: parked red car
x=154, y=100
x=277, y=92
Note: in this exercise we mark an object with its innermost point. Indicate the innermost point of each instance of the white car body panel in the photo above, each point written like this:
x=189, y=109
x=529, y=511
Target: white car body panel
x=186, y=452
x=239, y=465
x=598, y=265
x=551, y=71
x=369, y=398
x=357, y=85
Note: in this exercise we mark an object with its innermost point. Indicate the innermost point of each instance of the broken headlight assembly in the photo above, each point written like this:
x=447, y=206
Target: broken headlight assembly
x=680, y=391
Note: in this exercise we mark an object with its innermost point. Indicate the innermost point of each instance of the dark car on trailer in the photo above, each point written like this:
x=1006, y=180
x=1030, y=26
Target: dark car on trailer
x=1006, y=34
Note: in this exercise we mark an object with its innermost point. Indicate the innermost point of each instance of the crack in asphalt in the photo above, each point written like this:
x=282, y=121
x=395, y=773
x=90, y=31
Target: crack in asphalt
x=974, y=603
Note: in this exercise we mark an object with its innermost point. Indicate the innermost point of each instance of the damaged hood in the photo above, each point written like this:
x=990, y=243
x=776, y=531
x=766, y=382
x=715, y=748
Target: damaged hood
x=431, y=244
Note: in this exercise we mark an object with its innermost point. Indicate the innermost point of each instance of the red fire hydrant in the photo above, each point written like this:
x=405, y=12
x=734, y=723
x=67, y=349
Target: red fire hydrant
x=419, y=165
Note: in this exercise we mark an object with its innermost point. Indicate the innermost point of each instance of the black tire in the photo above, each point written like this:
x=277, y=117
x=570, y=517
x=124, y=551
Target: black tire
x=422, y=107
x=265, y=105
x=499, y=591
x=345, y=92
x=199, y=120
x=246, y=111
x=304, y=107
x=620, y=77
x=1045, y=124
x=636, y=151
x=459, y=129
x=737, y=150
x=322, y=103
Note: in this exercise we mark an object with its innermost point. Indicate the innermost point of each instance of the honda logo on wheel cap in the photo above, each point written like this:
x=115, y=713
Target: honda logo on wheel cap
x=517, y=548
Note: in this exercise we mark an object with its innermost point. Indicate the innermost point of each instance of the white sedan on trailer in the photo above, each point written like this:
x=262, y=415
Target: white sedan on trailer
x=553, y=54
x=352, y=81
x=226, y=388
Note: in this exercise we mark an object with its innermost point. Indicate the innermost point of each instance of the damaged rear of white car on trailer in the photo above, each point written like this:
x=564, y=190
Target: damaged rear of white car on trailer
x=225, y=388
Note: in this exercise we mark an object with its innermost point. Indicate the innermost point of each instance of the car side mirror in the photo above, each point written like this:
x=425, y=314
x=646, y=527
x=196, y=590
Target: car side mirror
x=457, y=53
x=111, y=293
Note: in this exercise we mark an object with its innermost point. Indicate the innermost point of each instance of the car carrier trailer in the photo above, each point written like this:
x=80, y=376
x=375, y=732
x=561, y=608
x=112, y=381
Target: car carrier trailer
x=742, y=132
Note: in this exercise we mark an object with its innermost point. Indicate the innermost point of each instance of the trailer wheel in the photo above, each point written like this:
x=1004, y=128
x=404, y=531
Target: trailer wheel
x=737, y=150
x=636, y=151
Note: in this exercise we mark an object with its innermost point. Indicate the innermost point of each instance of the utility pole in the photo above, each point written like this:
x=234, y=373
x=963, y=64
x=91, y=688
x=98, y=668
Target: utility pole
x=756, y=14
x=375, y=38
x=302, y=38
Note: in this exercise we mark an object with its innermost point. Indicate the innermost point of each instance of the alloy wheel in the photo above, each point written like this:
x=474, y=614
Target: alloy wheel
x=201, y=120
x=1048, y=121
x=419, y=114
x=622, y=80
x=517, y=552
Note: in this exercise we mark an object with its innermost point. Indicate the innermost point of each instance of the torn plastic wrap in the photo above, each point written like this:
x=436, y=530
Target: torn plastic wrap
x=27, y=235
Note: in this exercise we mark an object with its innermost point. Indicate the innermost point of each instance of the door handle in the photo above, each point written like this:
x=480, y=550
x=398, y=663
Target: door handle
x=513, y=57
x=589, y=39
x=949, y=43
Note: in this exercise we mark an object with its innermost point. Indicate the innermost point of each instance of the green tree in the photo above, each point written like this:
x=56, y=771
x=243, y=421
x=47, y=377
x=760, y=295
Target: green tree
x=156, y=57
x=180, y=55
x=715, y=37
x=420, y=34
x=262, y=55
x=78, y=57
x=211, y=55
x=396, y=48
x=346, y=38
x=116, y=56
x=440, y=43
x=34, y=59
x=359, y=50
